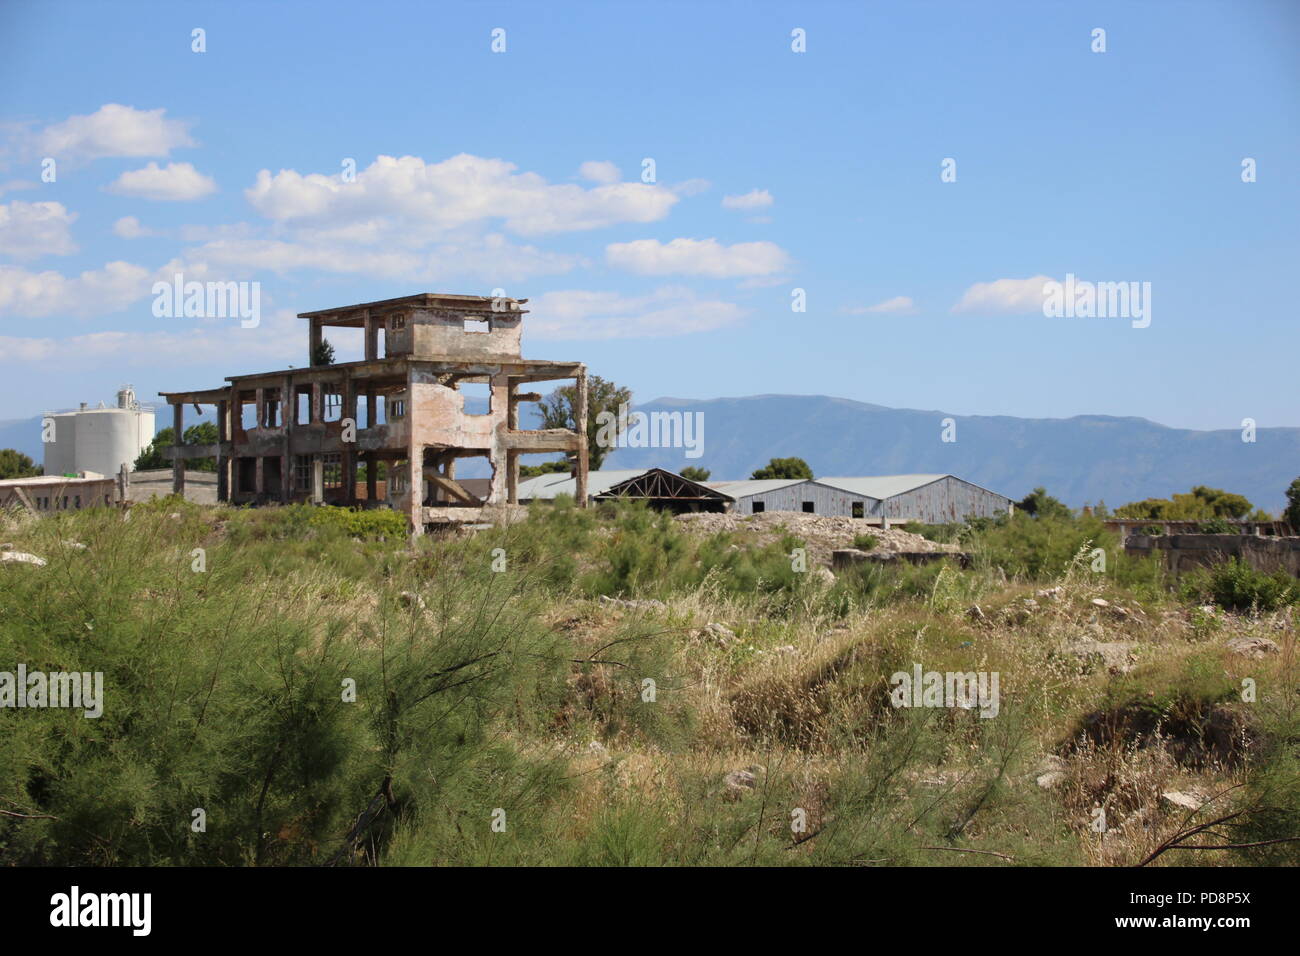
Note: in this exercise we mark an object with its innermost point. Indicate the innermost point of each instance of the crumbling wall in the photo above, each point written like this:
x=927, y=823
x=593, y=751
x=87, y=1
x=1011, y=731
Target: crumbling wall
x=437, y=333
x=1182, y=552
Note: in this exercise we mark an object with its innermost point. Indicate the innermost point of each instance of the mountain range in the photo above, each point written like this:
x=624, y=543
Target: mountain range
x=1081, y=460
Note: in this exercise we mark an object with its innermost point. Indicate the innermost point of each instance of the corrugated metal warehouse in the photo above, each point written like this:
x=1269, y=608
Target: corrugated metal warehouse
x=932, y=499
x=762, y=494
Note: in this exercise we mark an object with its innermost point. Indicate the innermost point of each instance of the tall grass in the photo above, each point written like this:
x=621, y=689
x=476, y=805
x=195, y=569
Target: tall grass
x=326, y=691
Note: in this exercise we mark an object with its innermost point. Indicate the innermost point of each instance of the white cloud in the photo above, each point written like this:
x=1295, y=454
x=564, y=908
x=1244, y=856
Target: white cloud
x=1007, y=296
x=754, y=199
x=94, y=292
x=277, y=339
x=280, y=256
x=669, y=311
x=460, y=191
x=15, y=185
x=691, y=187
x=203, y=233
x=175, y=182
x=113, y=130
x=491, y=258
x=128, y=227
x=29, y=230
x=701, y=257
x=899, y=303
x=762, y=282
x=598, y=171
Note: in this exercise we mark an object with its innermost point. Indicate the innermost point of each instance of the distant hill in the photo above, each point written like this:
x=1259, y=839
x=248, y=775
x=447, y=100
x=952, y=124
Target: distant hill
x=1085, y=459
x=24, y=434
x=1081, y=460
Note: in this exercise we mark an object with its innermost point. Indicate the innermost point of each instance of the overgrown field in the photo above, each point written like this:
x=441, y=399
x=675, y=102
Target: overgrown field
x=286, y=686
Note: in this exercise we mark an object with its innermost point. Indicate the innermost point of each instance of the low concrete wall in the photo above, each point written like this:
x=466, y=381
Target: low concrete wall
x=200, y=486
x=1183, y=552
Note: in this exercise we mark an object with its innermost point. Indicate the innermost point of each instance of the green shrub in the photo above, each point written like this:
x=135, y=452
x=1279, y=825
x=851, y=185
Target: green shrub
x=865, y=542
x=224, y=691
x=1237, y=586
x=942, y=533
x=1035, y=548
x=382, y=523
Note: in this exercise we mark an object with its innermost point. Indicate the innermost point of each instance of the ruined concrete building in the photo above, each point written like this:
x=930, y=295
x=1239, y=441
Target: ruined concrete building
x=302, y=434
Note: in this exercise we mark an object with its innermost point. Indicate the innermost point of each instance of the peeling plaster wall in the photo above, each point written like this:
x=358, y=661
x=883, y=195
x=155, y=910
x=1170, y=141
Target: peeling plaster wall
x=437, y=333
x=438, y=414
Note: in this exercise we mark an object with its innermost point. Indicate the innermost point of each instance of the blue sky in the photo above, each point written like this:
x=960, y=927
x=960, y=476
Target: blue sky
x=775, y=171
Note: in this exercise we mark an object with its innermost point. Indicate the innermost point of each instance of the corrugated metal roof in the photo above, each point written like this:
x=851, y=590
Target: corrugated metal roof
x=545, y=487
x=873, y=486
x=886, y=486
x=752, y=486
x=880, y=486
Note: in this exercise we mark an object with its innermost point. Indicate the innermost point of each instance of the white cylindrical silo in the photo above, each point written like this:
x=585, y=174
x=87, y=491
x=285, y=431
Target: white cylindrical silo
x=100, y=439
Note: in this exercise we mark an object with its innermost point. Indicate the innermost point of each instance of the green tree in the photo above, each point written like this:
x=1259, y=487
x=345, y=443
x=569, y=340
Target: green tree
x=545, y=468
x=1039, y=504
x=1201, y=504
x=691, y=473
x=784, y=468
x=324, y=354
x=602, y=396
x=151, y=459
x=14, y=464
x=1222, y=504
x=1292, y=513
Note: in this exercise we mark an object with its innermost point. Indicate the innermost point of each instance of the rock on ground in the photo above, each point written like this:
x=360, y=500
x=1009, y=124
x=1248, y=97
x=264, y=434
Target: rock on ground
x=1255, y=647
x=1184, y=800
x=1117, y=656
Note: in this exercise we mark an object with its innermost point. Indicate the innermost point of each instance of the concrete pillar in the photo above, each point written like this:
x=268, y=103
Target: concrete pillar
x=349, y=456
x=580, y=421
x=317, y=480
x=372, y=337
x=415, y=467
x=178, y=463
x=314, y=340
x=512, y=476
x=223, y=460
x=512, y=456
x=372, y=478
x=289, y=415
x=261, y=407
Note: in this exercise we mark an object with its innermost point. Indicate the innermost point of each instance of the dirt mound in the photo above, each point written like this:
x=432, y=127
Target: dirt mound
x=821, y=534
x=1196, y=734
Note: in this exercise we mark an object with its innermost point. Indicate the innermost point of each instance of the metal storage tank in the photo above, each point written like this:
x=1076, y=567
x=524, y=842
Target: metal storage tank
x=100, y=439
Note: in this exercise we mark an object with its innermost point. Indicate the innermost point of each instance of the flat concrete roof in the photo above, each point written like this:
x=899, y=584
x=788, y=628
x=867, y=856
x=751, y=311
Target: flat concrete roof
x=344, y=314
x=53, y=480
